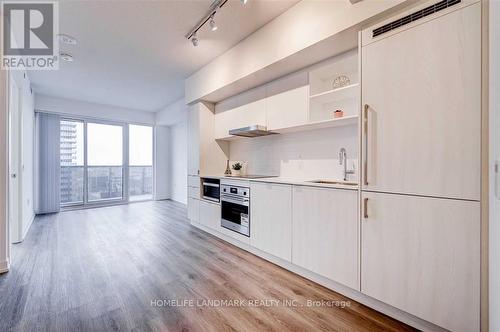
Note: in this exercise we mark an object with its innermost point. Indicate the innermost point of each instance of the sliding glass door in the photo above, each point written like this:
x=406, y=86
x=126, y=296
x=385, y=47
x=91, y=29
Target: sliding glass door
x=103, y=162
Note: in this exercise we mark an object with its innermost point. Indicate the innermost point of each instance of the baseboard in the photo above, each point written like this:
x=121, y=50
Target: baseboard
x=4, y=266
x=27, y=228
x=353, y=294
x=177, y=201
x=162, y=197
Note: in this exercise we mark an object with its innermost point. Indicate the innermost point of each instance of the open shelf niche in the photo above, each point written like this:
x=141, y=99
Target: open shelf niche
x=325, y=99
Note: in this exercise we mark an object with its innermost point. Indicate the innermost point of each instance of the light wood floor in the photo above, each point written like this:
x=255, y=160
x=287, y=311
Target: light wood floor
x=99, y=270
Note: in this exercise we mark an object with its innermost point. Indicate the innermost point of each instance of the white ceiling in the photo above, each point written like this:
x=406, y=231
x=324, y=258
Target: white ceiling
x=133, y=54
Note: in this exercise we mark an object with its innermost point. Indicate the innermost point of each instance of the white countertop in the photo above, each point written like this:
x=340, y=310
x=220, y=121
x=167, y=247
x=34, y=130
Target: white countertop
x=281, y=180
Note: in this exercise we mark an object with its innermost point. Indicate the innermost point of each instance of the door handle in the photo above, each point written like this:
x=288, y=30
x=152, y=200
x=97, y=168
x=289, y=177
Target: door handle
x=365, y=208
x=365, y=126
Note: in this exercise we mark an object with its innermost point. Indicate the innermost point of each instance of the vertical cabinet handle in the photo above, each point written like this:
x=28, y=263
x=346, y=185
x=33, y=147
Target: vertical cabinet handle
x=365, y=208
x=365, y=126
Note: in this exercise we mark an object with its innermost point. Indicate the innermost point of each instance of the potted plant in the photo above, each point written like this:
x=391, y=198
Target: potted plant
x=236, y=169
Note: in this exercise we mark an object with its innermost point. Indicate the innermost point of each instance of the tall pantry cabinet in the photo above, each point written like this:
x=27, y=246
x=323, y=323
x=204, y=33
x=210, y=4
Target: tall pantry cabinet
x=421, y=151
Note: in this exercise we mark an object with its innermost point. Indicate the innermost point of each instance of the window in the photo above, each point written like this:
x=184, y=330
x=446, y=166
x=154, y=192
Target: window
x=105, y=162
x=97, y=158
x=140, y=181
x=72, y=162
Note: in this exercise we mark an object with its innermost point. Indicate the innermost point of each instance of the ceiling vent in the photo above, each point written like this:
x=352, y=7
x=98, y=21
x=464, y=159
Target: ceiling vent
x=415, y=16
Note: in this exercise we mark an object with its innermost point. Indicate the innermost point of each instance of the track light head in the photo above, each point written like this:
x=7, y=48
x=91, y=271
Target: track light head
x=213, y=25
x=244, y=2
x=194, y=40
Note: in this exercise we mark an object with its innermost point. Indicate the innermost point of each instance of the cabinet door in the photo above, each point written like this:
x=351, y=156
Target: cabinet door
x=193, y=209
x=288, y=101
x=253, y=113
x=422, y=256
x=423, y=91
x=325, y=233
x=271, y=219
x=210, y=215
x=193, y=141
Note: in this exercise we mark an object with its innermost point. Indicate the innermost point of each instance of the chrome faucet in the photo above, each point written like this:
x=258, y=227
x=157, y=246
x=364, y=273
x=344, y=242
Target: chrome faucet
x=343, y=161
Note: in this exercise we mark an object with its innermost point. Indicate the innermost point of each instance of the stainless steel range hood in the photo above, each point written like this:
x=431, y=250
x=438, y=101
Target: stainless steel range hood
x=251, y=131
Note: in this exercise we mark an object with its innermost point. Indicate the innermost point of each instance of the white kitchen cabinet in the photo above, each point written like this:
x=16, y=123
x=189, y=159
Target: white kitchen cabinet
x=193, y=141
x=422, y=255
x=422, y=86
x=287, y=101
x=325, y=233
x=193, y=209
x=210, y=215
x=253, y=113
x=193, y=181
x=271, y=219
x=194, y=192
x=205, y=155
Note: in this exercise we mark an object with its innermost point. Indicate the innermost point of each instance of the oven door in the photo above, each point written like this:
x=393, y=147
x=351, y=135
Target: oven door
x=236, y=214
x=211, y=191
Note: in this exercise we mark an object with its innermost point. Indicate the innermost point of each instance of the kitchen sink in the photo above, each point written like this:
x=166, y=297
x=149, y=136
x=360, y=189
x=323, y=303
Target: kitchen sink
x=334, y=182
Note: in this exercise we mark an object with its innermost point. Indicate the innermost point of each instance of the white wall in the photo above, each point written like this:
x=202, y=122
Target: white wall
x=309, y=155
x=178, y=156
x=494, y=220
x=175, y=117
x=162, y=163
x=91, y=110
x=172, y=114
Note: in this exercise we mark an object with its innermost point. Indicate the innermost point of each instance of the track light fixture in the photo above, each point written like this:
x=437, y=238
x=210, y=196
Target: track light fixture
x=209, y=17
x=213, y=25
x=194, y=40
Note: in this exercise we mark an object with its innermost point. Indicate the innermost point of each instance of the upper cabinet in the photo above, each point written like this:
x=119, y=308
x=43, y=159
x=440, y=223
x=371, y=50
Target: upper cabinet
x=239, y=117
x=246, y=109
x=300, y=101
x=422, y=123
x=287, y=102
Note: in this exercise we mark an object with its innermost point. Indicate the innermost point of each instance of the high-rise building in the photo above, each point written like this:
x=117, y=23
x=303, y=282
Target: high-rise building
x=71, y=174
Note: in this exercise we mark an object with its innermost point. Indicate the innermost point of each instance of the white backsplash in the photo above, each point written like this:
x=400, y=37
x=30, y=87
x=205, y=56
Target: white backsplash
x=305, y=155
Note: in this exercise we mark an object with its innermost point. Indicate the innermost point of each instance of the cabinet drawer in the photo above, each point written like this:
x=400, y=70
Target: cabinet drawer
x=194, y=181
x=194, y=192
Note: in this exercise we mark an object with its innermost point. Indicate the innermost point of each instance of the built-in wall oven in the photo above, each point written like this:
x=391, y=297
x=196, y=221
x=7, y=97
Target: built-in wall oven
x=235, y=208
x=211, y=189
